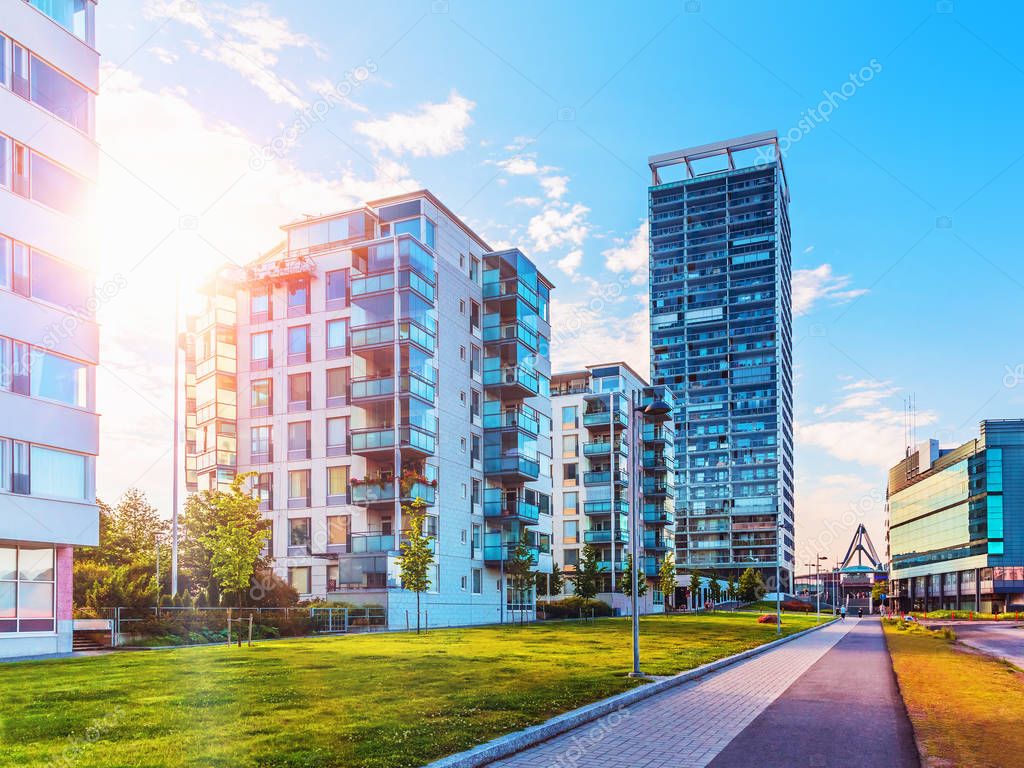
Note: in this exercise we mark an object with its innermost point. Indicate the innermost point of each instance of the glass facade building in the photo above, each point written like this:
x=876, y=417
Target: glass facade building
x=721, y=340
x=956, y=523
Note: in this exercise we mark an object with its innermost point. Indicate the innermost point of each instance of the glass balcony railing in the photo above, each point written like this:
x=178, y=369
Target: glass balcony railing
x=605, y=478
x=605, y=537
x=604, y=507
x=604, y=418
x=510, y=332
x=513, y=377
x=373, y=439
x=499, y=504
x=508, y=288
x=512, y=465
x=654, y=488
x=385, y=282
x=409, y=384
x=656, y=515
x=383, y=492
x=371, y=542
x=602, y=448
x=498, y=547
x=524, y=418
x=657, y=540
x=380, y=334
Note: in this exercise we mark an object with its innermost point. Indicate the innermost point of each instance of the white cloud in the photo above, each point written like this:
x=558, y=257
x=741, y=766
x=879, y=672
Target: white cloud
x=555, y=187
x=553, y=227
x=570, y=262
x=809, y=249
x=432, y=130
x=630, y=257
x=859, y=395
x=529, y=202
x=163, y=55
x=519, y=143
x=522, y=165
x=811, y=286
x=244, y=38
x=326, y=89
x=583, y=333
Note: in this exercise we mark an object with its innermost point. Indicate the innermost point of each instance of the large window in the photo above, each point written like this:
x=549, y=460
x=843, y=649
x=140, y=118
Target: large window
x=338, y=529
x=27, y=589
x=76, y=16
x=337, y=386
x=61, y=96
x=298, y=344
x=570, y=502
x=261, y=353
x=58, y=378
x=337, y=289
x=57, y=473
x=299, y=392
x=299, y=538
x=337, y=485
x=570, y=418
x=298, y=297
x=337, y=338
x=265, y=492
x=299, y=579
x=259, y=304
x=261, y=446
x=59, y=283
x=298, y=489
x=298, y=440
x=337, y=436
x=570, y=446
x=55, y=187
x=262, y=397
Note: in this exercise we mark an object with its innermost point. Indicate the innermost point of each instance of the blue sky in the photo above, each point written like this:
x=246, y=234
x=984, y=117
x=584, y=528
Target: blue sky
x=533, y=121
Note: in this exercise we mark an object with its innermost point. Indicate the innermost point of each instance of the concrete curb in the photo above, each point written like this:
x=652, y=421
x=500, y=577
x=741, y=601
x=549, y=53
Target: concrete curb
x=503, y=746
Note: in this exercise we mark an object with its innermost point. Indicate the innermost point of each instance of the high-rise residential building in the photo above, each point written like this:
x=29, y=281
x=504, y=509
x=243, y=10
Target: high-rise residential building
x=377, y=356
x=613, y=471
x=49, y=430
x=956, y=523
x=721, y=340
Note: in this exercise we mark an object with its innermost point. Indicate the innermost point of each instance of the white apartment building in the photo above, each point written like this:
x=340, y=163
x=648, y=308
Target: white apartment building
x=598, y=414
x=376, y=356
x=49, y=429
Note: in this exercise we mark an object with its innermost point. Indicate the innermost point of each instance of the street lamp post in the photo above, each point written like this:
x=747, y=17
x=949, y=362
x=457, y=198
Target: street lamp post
x=778, y=575
x=657, y=408
x=174, y=454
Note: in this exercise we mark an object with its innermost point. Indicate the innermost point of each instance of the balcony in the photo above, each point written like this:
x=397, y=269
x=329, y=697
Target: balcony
x=517, y=331
x=601, y=420
x=603, y=448
x=372, y=441
x=658, y=516
x=657, y=540
x=367, y=388
x=512, y=466
x=605, y=536
x=377, y=335
x=605, y=478
x=658, y=460
x=510, y=288
x=498, y=548
x=604, y=507
x=654, y=488
x=500, y=504
x=512, y=382
x=523, y=418
x=382, y=493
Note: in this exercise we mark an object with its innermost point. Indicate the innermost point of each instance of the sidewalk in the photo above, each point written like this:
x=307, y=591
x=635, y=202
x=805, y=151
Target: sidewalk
x=688, y=726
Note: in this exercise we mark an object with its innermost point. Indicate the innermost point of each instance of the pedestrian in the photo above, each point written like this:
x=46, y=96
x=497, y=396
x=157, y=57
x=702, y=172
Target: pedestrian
x=860, y=613
x=842, y=613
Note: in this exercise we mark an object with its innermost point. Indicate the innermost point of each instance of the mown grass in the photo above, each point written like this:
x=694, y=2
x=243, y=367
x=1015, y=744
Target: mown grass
x=374, y=701
x=966, y=708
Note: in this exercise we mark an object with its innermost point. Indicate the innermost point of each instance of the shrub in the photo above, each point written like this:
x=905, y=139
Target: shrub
x=766, y=618
x=796, y=605
x=573, y=607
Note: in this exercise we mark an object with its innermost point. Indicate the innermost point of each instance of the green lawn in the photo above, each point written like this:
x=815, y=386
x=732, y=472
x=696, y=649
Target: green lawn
x=367, y=700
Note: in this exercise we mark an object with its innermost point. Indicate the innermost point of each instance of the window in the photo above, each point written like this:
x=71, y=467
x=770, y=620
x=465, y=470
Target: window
x=261, y=447
x=298, y=440
x=298, y=488
x=569, y=474
x=261, y=401
x=337, y=387
x=58, y=283
x=20, y=362
x=462, y=583
x=60, y=95
x=475, y=549
x=475, y=362
x=261, y=355
x=474, y=406
x=462, y=444
x=474, y=269
x=478, y=581
x=572, y=558
x=58, y=378
x=298, y=297
x=475, y=496
x=19, y=170
x=298, y=392
x=60, y=474
x=259, y=304
x=300, y=580
x=20, y=467
x=462, y=353
x=337, y=289
x=76, y=16
x=5, y=244
x=265, y=491
x=570, y=532
x=570, y=446
x=298, y=344
x=338, y=529
x=429, y=232
x=337, y=338
x=474, y=317
x=20, y=70
x=5, y=464
x=569, y=417
x=54, y=186
x=27, y=589
x=474, y=453
x=337, y=436
x=3, y=72
x=570, y=502
x=462, y=306
x=463, y=536
x=20, y=270
x=337, y=485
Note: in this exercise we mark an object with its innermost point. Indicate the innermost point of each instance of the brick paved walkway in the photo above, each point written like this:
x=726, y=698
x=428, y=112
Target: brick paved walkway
x=687, y=726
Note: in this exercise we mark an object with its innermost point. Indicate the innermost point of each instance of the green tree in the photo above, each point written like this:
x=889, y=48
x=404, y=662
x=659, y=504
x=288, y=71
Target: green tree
x=519, y=569
x=716, y=590
x=667, y=578
x=730, y=589
x=751, y=586
x=695, y=589
x=551, y=584
x=626, y=579
x=237, y=538
x=878, y=589
x=417, y=554
x=589, y=573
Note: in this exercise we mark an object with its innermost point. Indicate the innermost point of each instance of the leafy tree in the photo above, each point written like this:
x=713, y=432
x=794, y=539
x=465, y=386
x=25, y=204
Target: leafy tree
x=236, y=540
x=519, y=569
x=550, y=584
x=751, y=586
x=730, y=589
x=417, y=554
x=716, y=590
x=695, y=588
x=667, y=578
x=588, y=573
x=878, y=589
x=626, y=579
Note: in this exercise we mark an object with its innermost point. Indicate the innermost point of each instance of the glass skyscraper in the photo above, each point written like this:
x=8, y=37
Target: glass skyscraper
x=721, y=340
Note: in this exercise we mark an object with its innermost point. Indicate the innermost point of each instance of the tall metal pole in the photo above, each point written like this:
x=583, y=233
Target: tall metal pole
x=174, y=457
x=817, y=581
x=633, y=536
x=778, y=576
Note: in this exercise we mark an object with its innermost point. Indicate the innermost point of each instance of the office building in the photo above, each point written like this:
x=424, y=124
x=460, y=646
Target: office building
x=956, y=523
x=613, y=472
x=721, y=340
x=377, y=356
x=49, y=430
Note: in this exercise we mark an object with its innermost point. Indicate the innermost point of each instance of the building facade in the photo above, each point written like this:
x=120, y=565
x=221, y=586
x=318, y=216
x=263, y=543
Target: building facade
x=49, y=431
x=379, y=356
x=613, y=472
x=721, y=340
x=956, y=523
